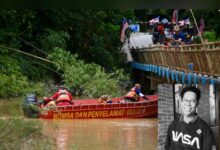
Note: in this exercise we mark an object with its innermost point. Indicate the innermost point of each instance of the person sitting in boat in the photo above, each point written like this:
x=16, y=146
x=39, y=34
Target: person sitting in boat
x=134, y=94
x=61, y=96
x=104, y=99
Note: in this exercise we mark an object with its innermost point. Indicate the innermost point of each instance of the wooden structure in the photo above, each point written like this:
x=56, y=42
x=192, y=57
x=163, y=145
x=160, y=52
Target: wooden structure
x=204, y=57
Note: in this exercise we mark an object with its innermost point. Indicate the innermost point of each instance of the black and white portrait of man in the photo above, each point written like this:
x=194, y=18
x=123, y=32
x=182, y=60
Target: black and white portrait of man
x=188, y=131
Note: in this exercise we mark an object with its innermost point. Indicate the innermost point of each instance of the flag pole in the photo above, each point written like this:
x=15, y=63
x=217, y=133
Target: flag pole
x=129, y=36
x=196, y=26
x=124, y=19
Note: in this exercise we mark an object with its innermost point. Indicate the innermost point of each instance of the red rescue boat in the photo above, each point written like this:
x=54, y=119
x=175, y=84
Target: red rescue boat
x=90, y=109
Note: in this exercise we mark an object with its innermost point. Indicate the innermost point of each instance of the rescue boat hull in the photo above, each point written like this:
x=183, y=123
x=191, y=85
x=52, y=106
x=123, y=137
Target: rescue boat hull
x=90, y=109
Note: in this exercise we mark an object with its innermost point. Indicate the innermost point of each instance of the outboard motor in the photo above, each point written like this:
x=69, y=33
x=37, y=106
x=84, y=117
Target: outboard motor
x=30, y=108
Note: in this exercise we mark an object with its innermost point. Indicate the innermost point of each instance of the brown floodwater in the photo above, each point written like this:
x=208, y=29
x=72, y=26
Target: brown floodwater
x=103, y=134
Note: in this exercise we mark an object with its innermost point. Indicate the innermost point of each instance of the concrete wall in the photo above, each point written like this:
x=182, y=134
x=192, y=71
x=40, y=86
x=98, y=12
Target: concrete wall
x=165, y=112
x=137, y=40
x=203, y=107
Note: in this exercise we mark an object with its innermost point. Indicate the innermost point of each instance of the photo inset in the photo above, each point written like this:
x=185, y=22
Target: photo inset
x=188, y=117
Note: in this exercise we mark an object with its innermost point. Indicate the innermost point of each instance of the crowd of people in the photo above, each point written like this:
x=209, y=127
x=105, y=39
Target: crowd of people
x=168, y=34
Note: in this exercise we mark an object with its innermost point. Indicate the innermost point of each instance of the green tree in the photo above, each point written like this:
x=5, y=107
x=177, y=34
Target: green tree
x=90, y=80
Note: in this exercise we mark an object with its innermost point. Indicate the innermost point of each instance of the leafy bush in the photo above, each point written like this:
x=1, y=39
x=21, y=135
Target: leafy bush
x=54, y=39
x=210, y=35
x=89, y=79
x=13, y=83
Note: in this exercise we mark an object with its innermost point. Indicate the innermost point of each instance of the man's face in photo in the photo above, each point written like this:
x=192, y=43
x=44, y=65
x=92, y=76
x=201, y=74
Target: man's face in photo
x=189, y=103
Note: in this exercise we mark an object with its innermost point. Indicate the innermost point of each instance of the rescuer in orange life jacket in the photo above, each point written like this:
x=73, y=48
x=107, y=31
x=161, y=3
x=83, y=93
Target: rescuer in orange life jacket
x=61, y=95
x=134, y=94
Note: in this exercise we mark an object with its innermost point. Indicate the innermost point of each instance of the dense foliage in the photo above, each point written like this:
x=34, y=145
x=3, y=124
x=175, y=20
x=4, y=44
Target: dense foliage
x=13, y=82
x=91, y=35
x=89, y=79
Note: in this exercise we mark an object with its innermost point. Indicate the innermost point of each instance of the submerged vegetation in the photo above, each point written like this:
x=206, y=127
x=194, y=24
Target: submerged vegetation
x=10, y=108
x=18, y=133
x=21, y=134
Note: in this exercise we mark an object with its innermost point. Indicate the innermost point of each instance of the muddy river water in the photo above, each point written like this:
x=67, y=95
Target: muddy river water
x=103, y=134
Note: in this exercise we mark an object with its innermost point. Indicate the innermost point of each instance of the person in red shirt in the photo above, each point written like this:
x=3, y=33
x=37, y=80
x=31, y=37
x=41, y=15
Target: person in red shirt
x=62, y=95
x=160, y=28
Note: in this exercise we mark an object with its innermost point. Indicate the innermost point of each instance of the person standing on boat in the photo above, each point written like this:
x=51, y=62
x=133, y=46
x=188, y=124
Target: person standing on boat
x=62, y=94
x=188, y=131
x=134, y=94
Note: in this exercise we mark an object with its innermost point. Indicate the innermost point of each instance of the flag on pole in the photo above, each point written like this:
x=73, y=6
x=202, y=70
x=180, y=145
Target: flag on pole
x=202, y=25
x=186, y=21
x=181, y=23
x=124, y=27
x=154, y=20
x=175, y=16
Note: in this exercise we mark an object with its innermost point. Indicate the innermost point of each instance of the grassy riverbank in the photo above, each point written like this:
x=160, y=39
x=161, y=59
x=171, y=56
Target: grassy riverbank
x=19, y=133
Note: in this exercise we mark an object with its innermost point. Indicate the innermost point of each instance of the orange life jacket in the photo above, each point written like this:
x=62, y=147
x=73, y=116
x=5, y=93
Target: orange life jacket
x=63, y=95
x=132, y=94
